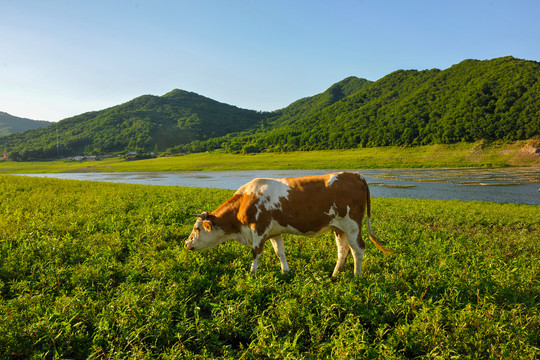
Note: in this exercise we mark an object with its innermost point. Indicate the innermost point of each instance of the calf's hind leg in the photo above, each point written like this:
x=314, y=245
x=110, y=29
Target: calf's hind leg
x=279, y=248
x=342, y=250
x=357, y=247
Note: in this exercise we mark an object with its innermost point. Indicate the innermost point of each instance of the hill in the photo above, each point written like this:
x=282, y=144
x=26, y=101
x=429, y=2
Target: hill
x=147, y=122
x=474, y=100
x=10, y=124
x=280, y=119
x=311, y=105
x=492, y=100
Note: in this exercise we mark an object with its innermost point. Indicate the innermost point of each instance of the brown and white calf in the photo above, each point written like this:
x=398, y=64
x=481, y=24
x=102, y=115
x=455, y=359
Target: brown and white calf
x=263, y=209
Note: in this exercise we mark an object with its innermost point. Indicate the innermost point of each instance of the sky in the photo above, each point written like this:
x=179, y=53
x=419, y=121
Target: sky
x=61, y=58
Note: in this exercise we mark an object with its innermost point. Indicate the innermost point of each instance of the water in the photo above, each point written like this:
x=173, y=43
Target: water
x=508, y=185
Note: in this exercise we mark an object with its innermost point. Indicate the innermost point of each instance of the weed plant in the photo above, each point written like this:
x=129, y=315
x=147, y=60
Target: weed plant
x=98, y=270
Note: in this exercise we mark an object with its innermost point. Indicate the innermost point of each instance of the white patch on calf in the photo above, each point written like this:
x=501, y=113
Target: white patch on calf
x=332, y=212
x=269, y=193
x=360, y=176
x=332, y=179
x=345, y=224
x=276, y=229
x=204, y=239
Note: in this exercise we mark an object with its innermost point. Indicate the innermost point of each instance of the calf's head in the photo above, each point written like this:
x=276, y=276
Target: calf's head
x=205, y=233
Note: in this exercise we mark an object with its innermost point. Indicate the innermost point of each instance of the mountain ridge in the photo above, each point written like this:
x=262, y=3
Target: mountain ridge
x=10, y=124
x=495, y=99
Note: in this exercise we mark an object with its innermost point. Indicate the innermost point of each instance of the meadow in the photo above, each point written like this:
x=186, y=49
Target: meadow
x=98, y=270
x=477, y=154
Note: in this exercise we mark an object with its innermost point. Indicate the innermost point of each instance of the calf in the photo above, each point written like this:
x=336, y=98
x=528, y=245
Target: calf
x=263, y=209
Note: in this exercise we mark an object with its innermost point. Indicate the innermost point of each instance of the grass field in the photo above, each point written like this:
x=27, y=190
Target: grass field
x=98, y=270
x=457, y=155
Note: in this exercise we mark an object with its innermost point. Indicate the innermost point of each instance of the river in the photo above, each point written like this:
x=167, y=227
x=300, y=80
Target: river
x=507, y=185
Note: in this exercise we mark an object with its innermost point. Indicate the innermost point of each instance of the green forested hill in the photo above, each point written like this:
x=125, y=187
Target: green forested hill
x=311, y=105
x=495, y=99
x=283, y=119
x=146, y=122
x=10, y=124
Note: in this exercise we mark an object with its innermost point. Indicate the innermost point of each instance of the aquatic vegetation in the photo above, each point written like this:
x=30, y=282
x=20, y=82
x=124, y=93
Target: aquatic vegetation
x=99, y=270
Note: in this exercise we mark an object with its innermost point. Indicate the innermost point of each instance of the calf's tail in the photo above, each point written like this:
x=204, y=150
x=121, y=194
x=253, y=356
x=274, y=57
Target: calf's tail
x=372, y=236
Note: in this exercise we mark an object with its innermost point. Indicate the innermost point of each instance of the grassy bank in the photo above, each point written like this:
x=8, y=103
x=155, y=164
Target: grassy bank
x=458, y=155
x=98, y=270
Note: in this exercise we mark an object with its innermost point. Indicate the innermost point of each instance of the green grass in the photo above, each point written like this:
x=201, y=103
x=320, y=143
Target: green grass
x=457, y=155
x=98, y=270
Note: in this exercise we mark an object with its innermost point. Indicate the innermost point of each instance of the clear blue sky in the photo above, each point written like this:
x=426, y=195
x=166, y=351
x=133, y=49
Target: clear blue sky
x=60, y=58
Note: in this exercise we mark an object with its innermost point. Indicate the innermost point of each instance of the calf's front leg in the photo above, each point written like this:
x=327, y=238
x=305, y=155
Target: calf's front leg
x=258, y=246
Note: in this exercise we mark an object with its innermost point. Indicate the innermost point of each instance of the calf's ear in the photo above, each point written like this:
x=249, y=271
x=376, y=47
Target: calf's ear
x=207, y=225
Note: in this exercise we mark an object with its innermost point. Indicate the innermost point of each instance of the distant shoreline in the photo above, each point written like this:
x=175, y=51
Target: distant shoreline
x=520, y=153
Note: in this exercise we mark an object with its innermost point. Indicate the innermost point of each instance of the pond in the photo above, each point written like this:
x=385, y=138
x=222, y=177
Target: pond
x=507, y=185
